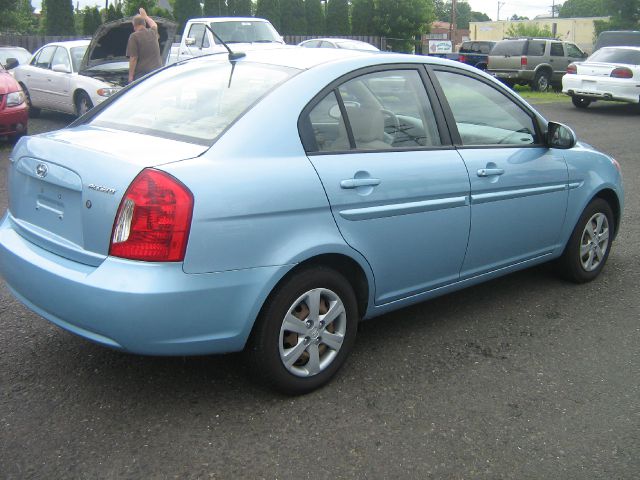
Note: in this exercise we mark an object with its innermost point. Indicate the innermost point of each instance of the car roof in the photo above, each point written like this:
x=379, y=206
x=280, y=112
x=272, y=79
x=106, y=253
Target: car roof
x=69, y=44
x=227, y=19
x=307, y=58
x=621, y=47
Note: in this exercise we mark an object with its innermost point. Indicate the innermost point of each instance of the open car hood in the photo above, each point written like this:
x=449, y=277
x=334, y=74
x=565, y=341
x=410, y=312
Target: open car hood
x=108, y=46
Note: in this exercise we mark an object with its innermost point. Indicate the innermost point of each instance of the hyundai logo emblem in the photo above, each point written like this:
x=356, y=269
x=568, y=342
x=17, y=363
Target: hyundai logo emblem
x=41, y=170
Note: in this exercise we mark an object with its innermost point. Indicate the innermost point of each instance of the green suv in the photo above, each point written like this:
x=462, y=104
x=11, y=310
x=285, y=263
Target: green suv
x=539, y=62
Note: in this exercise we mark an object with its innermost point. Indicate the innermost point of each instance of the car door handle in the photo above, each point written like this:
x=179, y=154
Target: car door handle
x=359, y=182
x=490, y=172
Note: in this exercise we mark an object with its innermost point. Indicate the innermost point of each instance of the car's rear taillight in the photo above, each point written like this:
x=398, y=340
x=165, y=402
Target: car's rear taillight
x=462, y=58
x=153, y=219
x=572, y=69
x=622, y=72
x=523, y=61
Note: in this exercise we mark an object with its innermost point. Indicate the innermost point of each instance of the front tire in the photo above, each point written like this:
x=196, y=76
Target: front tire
x=33, y=111
x=305, y=331
x=588, y=249
x=581, y=102
x=83, y=103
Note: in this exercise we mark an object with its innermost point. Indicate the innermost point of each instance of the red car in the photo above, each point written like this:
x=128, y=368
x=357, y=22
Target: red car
x=14, y=112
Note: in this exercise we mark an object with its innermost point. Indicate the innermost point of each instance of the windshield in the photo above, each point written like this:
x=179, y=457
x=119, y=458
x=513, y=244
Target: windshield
x=356, y=45
x=193, y=102
x=616, y=55
x=19, y=54
x=245, y=32
x=76, y=56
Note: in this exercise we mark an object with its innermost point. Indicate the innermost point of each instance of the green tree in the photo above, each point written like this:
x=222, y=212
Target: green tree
x=625, y=14
x=337, y=21
x=583, y=8
x=516, y=17
x=239, y=8
x=314, y=13
x=442, y=10
x=214, y=8
x=91, y=20
x=529, y=30
x=480, y=17
x=59, y=17
x=131, y=7
x=463, y=15
x=183, y=10
x=270, y=10
x=362, y=17
x=293, y=20
x=401, y=21
x=21, y=20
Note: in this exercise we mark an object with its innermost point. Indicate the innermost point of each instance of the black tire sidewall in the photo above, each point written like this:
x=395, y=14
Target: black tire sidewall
x=83, y=97
x=571, y=267
x=536, y=81
x=580, y=102
x=263, y=346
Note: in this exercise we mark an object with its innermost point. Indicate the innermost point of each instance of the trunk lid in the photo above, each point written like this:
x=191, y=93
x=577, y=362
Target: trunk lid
x=106, y=54
x=597, y=69
x=65, y=187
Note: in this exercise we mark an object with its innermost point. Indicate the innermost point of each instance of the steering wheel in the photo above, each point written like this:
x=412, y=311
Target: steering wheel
x=394, y=122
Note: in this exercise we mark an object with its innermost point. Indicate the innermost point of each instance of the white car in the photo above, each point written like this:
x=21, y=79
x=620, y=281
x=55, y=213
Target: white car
x=51, y=80
x=73, y=77
x=611, y=73
x=345, y=43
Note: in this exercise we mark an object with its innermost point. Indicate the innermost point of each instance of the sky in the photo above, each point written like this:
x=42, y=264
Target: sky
x=508, y=8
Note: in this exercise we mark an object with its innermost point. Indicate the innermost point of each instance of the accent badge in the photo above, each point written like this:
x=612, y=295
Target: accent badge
x=42, y=170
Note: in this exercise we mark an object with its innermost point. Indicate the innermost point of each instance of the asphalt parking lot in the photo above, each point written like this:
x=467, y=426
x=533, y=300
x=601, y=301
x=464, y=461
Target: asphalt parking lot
x=524, y=377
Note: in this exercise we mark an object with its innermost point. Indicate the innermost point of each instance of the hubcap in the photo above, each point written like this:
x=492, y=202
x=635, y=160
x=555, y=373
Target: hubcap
x=594, y=242
x=312, y=332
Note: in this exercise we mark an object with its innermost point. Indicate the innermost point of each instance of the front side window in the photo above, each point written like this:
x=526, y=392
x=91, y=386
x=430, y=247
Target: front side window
x=199, y=33
x=385, y=110
x=483, y=115
x=43, y=59
x=61, y=58
x=194, y=102
x=573, y=51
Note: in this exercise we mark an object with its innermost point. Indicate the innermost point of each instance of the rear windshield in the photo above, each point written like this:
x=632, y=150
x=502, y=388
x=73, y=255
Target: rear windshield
x=245, y=32
x=606, y=39
x=616, y=55
x=193, y=102
x=509, y=48
x=476, y=47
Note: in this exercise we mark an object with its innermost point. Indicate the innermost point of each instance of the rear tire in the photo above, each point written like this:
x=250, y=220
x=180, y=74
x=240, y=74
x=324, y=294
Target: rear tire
x=588, y=248
x=304, y=332
x=581, y=102
x=541, y=81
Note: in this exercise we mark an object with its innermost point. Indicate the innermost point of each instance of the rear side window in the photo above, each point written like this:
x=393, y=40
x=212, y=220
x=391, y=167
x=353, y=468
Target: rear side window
x=384, y=110
x=536, y=48
x=483, y=115
x=509, y=48
x=194, y=102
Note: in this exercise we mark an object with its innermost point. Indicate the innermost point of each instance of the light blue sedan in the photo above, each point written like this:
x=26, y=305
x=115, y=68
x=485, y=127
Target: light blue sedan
x=268, y=202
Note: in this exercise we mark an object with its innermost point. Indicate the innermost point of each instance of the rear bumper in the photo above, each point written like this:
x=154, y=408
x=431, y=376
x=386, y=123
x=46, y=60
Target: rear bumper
x=515, y=75
x=13, y=121
x=145, y=308
x=598, y=88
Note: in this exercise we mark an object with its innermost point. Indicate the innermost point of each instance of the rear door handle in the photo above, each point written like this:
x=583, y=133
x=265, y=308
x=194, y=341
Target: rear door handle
x=490, y=172
x=359, y=182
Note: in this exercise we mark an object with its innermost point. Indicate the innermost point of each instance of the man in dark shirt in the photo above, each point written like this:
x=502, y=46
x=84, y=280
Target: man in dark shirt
x=143, y=49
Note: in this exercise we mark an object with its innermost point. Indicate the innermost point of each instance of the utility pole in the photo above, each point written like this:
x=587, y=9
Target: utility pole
x=452, y=26
x=553, y=9
x=500, y=5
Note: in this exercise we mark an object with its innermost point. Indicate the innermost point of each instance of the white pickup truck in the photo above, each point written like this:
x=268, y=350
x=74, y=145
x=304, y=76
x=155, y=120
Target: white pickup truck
x=197, y=40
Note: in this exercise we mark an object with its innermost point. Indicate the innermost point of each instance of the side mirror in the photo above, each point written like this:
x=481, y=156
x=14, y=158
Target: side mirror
x=560, y=136
x=189, y=41
x=11, y=63
x=60, y=68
